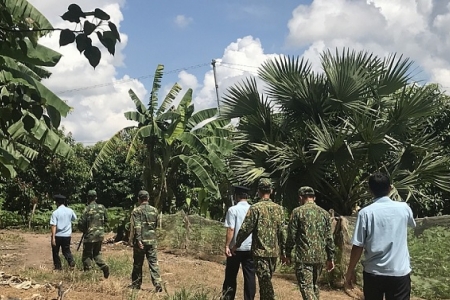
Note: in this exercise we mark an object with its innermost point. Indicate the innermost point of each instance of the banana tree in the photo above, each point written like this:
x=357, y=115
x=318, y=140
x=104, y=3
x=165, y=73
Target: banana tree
x=331, y=129
x=170, y=135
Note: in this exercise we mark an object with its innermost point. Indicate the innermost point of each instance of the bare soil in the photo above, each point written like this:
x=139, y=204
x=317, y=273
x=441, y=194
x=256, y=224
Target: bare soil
x=20, y=251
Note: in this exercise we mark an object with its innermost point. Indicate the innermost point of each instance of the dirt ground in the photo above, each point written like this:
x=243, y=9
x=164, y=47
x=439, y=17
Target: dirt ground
x=20, y=251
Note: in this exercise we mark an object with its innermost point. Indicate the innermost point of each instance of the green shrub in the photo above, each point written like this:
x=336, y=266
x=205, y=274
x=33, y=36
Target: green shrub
x=429, y=259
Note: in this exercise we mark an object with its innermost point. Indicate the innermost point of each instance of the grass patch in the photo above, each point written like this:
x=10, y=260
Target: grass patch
x=429, y=259
x=11, y=237
x=193, y=293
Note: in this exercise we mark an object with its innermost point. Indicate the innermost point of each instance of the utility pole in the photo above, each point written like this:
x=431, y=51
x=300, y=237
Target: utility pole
x=213, y=63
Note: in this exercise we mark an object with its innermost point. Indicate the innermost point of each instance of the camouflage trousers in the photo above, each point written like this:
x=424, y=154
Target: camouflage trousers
x=149, y=251
x=307, y=276
x=92, y=252
x=265, y=266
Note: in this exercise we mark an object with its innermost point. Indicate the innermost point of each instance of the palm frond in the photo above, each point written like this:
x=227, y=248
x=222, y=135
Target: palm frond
x=240, y=100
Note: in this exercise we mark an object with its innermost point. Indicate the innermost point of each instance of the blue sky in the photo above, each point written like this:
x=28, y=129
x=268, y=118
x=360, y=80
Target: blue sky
x=154, y=36
x=244, y=34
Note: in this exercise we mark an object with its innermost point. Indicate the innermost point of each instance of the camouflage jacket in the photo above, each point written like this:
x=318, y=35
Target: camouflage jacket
x=144, y=220
x=310, y=231
x=265, y=221
x=92, y=222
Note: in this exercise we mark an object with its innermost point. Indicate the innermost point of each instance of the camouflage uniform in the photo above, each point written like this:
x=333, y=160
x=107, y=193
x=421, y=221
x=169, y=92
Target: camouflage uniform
x=310, y=231
x=92, y=224
x=265, y=221
x=144, y=220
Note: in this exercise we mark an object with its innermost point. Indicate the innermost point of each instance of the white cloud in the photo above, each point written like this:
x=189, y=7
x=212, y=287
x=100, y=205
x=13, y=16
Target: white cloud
x=240, y=60
x=415, y=28
x=182, y=21
x=97, y=112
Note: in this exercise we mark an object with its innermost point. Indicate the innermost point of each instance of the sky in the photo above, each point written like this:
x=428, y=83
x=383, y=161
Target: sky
x=186, y=35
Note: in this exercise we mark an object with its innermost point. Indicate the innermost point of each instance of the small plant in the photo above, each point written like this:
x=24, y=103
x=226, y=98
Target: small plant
x=193, y=294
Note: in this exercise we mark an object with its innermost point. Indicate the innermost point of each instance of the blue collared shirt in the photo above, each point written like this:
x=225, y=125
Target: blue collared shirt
x=381, y=228
x=234, y=218
x=62, y=218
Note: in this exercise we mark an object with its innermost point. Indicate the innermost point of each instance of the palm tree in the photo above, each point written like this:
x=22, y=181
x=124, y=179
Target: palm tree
x=171, y=135
x=331, y=129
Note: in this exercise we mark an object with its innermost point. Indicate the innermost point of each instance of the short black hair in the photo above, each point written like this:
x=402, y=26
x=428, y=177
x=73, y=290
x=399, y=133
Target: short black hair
x=379, y=184
x=60, y=201
x=241, y=195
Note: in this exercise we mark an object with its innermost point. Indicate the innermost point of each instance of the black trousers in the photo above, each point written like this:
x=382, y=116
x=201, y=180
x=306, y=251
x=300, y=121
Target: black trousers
x=63, y=243
x=392, y=287
x=245, y=259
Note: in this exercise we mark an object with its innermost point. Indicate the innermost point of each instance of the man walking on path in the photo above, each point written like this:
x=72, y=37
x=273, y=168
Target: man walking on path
x=61, y=232
x=243, y=255
x=145, y=220
x=310, y=231
x=265, y=221
x=381, y=231
x=92, y=224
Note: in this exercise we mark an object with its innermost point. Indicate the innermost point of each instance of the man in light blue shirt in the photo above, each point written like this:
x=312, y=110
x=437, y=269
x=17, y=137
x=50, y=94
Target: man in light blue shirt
x=61, y=229
x=243, y=255
x=381, y=231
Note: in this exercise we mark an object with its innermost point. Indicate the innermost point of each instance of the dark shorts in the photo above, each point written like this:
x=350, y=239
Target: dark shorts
x=391, y=287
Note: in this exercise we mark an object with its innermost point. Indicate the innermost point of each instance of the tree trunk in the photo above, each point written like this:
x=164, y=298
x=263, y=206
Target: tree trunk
x=32, y=215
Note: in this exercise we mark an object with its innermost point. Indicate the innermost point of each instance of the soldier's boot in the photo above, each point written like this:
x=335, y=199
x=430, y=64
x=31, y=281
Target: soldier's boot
x=158, y=288
x=105, y=271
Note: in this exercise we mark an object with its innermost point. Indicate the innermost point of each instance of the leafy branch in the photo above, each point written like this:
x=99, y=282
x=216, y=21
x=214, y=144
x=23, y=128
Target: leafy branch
x=108, y=38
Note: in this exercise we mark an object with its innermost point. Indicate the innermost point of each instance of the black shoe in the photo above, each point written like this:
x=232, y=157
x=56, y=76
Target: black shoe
x=158, y=288
x=105, y=272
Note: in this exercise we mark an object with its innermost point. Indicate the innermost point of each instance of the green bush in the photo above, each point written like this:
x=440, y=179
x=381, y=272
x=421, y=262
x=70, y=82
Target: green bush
x=429, y=259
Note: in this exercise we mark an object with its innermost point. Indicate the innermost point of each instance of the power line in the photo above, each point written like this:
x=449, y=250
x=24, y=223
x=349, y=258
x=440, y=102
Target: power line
x=131, y=79
x=253, y=73
x=223, y=64
x=239, y=65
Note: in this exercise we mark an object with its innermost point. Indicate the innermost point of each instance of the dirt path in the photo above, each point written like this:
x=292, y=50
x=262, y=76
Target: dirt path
x=21, y=250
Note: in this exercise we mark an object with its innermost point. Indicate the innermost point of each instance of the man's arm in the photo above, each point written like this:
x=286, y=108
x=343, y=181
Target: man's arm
x=74, y=216
x=247, y=227
x=411, y=221
x=230, y=224
x=53, y=231
x=355, y=255
x=82, y=222
x=53, y=222
x=228, y=238
x=282, y=233
x=137, y=224
x=131, y=235
x=291, y=235
x=358, y=240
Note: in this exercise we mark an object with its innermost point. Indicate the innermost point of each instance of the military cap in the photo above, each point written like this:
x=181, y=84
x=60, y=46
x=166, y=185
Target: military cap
x=239, y=189
x=306, y=190
x=59, y=196
x=143, y=194
x=264, y=183
x=92, y=193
